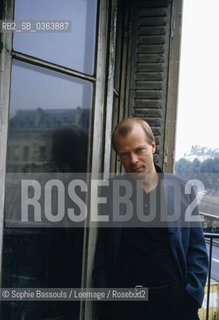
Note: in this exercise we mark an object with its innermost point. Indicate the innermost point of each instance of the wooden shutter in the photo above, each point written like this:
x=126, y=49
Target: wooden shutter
x=151, y=33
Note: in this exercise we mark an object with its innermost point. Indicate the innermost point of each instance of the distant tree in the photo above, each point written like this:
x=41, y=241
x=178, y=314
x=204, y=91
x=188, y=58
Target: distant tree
x=206, y=171
x=207, y=166
x=216, y=165
x=196, y=164
x=210, y=169
x=183, y=166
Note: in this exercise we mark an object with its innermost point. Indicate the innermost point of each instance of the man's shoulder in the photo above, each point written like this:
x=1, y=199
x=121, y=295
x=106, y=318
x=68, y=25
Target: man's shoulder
x=173, y=177
x=169, y=176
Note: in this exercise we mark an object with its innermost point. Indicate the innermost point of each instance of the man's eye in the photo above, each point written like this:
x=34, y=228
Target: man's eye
x=140, y=149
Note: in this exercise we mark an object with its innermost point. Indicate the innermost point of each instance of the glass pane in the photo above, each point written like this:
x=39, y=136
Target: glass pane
x=73, y=49
x=48, y=132
x=45, y=106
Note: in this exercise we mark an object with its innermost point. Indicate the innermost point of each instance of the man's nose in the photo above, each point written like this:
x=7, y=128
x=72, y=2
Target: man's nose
x=133, y=158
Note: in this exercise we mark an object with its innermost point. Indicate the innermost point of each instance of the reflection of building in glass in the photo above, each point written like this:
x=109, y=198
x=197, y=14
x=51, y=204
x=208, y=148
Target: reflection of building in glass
x=31, y=133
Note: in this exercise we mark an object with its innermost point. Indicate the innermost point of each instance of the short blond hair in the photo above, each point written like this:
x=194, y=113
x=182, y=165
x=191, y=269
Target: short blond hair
x=125, y=126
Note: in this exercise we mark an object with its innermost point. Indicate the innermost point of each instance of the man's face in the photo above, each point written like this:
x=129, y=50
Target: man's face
x=135, y=153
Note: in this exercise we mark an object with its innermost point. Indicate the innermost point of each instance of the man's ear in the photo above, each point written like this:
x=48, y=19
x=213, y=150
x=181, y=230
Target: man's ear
x=153, y=146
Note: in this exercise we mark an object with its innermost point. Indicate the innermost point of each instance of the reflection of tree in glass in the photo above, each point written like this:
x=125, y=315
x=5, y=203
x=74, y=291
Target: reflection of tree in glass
x=69, y=149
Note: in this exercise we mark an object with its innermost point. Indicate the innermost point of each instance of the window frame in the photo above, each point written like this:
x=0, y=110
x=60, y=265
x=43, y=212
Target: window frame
x=101, y=121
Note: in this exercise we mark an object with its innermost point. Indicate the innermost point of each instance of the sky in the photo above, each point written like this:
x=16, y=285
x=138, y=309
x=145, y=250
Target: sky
x=33, y=87
x=73, y=49
x=198, y=100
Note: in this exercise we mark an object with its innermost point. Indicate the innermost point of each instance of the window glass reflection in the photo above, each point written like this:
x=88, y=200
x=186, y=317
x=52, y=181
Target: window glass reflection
x=75, y=49
x=49, y=121
x=49, y=127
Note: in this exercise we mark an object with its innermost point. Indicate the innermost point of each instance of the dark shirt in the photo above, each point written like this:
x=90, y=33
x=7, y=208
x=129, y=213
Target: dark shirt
x=144, y=255
x=144, y=258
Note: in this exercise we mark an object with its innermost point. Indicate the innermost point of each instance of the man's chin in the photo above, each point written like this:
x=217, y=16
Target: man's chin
x=143, y=175
x=138, y=175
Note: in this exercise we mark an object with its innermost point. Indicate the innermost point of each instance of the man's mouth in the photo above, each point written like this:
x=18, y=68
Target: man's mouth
x=139, y=169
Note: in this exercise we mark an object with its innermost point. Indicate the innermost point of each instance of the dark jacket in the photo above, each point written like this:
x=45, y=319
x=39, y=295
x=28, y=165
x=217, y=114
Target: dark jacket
x=186, y=242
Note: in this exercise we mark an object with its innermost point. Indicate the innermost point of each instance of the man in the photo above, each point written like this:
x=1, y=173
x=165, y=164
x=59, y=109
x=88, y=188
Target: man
x=170, y=261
